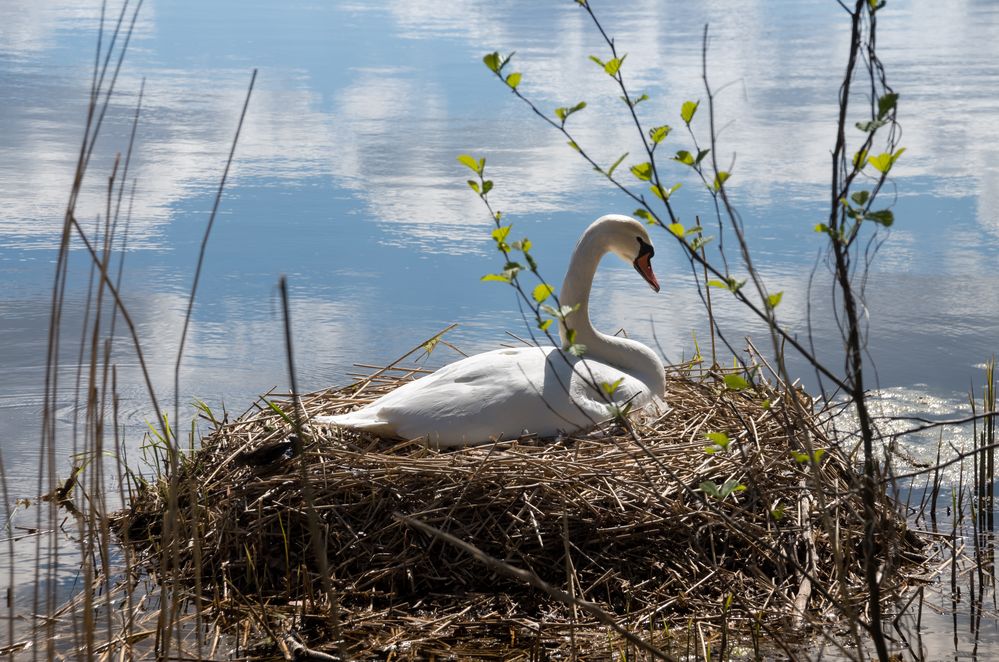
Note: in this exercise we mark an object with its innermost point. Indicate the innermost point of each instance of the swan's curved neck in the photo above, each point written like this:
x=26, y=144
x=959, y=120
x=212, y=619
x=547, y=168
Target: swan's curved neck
x=629, y=355
x=576, y=292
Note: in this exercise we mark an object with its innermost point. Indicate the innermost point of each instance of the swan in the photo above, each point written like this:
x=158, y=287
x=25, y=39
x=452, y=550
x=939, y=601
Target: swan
x=505, y=393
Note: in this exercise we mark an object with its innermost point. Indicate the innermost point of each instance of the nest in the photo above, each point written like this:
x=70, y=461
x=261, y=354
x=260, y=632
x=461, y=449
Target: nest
x=339, y=542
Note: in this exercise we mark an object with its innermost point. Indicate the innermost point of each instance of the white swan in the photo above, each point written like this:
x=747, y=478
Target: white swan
x=541, y=390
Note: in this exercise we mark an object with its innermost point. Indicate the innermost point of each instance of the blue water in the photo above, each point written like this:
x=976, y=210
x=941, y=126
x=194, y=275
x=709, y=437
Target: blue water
x=345, y=180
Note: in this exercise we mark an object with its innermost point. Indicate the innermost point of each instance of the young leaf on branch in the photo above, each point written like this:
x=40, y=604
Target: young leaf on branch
x=720, y=178
x=687, y=111
x=645, y=216
x=542, y=292
x=643, y=171
x=730, y=284
x=476, y=166
x=563, y=113
x=883, y=162
x=610, y=171
x=658, y=134
x=658, y=191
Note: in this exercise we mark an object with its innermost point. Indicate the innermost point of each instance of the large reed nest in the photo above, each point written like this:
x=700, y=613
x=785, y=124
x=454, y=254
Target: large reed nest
x=334, y=541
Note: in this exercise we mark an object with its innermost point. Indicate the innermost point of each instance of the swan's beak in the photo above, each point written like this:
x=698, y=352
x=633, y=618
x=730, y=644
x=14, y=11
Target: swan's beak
x=643, y=265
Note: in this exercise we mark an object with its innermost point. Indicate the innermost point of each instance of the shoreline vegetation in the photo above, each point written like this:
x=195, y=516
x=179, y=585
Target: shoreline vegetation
x=749, y=519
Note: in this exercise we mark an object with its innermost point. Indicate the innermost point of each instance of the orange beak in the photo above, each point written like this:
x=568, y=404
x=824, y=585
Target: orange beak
x=643, y=265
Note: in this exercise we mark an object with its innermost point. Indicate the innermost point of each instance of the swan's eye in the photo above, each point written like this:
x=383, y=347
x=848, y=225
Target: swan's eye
x=645, y=248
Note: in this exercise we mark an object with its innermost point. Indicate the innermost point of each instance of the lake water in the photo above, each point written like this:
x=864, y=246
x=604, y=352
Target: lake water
x=345, y=180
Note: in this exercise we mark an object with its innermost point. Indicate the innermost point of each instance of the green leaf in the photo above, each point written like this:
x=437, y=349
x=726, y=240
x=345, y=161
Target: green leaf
x=474, y=185
x=766, y=404
x=700, y=241
x=659, y=133
x=470, y=162
x=597, y=60
x=513, y=80
x=661, y=194
x=861, y=197
x=487, y=186
x=710, y=488
x=576, y=349
x=884, y=161
x=700, y=156
x=544, y=325
x=734, y=382
x=860, y=158
x=684, y=157
x=881, y=162
x=563, y=312
x=821, y=227
x=635, y=102
x=777, y=513
x=280, y=412
x=644, y=215
x=611, y=170
x=522, y=245
x=774, y=300
x=886, y=103
x=432, y=343
x=492, y=60
x=676, y=228
x=688, y=110
x=718, y=438
x=496, y=277
x=613, y=65
x=643, y=171
x=610, y=388
x=500, y=233
x=512, y=267
x=572, y=144
x=732, y=285
x=883, y=217
x=802, y=458
x=542, y=292
x=720, y=178
x=563, y=113
x=871, y=126
x=732, y=486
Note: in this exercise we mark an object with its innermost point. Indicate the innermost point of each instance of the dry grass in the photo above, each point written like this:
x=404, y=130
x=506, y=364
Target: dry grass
x=615, y=519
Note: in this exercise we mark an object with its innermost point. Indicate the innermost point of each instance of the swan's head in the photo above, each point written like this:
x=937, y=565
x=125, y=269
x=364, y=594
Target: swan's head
x=628, y=239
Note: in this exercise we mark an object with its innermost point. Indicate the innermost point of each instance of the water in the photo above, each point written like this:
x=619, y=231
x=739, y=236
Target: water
x=346, y=181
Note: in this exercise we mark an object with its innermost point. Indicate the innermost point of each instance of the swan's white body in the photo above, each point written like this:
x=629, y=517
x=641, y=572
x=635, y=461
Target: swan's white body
x=540, y=390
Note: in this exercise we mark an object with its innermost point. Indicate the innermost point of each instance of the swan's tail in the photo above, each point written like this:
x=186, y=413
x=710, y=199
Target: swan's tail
x=358, y=420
